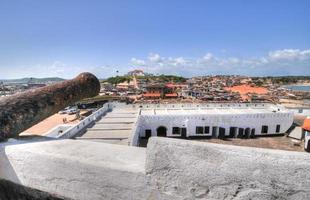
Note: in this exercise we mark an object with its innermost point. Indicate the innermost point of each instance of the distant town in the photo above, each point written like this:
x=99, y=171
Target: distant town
x=138, y=86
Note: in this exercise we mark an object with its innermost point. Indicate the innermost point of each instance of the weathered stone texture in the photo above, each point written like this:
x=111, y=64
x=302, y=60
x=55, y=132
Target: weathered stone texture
x=181, y=169
x=23, y=110
x=174, y=169
x=13, y=191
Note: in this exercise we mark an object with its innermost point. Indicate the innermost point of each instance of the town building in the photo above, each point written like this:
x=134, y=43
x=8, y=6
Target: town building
x=136, y=72
x=306, y=133
x=213, y=120
x=156, y=91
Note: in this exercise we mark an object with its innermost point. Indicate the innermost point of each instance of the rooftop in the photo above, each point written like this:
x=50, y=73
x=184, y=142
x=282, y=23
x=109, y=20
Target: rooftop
x=225, y=109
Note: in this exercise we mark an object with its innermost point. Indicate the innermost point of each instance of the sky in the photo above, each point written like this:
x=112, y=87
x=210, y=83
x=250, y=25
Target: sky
x=182, y=37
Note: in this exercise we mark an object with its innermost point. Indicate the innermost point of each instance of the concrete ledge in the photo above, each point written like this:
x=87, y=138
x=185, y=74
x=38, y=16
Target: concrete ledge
x=10, y=190
x=183, y=169
x=167, y=169
x=76, y=169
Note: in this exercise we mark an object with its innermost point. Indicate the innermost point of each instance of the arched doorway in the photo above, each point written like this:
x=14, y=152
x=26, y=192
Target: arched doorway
x=162, y=131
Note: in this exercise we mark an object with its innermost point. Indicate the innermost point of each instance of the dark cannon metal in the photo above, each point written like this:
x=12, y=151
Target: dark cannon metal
x=23, y=110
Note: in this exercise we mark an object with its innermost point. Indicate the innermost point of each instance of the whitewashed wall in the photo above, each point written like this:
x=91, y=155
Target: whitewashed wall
x=301, y=111
x=77, y=128
x=226, y=121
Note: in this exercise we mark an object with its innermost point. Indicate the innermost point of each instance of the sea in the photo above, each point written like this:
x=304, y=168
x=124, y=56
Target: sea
x=298, y=87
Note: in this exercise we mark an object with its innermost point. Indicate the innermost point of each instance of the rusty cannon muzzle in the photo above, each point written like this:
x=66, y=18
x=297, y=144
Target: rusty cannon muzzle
x=23, y=110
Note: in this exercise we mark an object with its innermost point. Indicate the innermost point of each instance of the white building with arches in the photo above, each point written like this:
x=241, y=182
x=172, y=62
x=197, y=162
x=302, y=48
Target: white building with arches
x=212, y=120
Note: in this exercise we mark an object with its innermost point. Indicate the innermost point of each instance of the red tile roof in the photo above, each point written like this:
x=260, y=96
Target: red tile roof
x=171, y=95
x=151, y=95
x=169, y=85
x=306, y=124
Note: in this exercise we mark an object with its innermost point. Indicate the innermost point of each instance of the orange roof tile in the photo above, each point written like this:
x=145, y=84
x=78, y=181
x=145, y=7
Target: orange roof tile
x=306, y=124
x=244, y=89
x=171, y=95
x=151, y=95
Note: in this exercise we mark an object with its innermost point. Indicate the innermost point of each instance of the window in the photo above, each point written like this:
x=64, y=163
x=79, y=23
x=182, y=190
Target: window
x=278, y=128
x=232, y=131
x=214, y=131
x=148, y=133
x=264, y=129
x=175, y=130
x=207, y=129
x=240, y=132
x=199, y=130
x=221, y=132
x=183, y=132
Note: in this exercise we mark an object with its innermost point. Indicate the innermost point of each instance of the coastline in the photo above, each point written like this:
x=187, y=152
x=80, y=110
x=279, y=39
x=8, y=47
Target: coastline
x=297, y=84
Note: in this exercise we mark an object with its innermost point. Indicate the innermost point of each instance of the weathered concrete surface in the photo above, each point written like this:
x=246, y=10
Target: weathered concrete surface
x=181, y=169
x=13, y=191
x=76, y=169
x=174, y=169
x=23, y=110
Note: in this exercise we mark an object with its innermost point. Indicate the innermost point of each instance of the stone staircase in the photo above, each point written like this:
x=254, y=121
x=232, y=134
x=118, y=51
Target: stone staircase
x=115, y=127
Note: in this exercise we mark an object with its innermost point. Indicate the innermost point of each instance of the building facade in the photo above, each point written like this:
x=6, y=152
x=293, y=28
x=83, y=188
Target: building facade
x=214, y=120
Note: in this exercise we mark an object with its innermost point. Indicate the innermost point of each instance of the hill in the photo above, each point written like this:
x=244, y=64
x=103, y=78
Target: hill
x=32, y=80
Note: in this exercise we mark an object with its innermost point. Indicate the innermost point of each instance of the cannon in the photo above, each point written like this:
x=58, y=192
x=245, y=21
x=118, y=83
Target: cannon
x=23, y=110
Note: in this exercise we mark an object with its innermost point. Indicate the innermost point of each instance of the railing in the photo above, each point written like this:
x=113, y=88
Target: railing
x=76, y=129
x=203, y=105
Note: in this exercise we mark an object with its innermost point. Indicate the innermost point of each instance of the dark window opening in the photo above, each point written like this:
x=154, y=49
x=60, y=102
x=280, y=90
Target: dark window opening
x=247, y=133
x=264, y=129
x=221, y=133
x=232, y=132
x=278, y=128
x=252, y=133
x=175, y=130
x=214, y=131
x=199, y=130
x=162, y=131
x=183, y=132
x=148, y=133
x=240, y=133
x=207, y=130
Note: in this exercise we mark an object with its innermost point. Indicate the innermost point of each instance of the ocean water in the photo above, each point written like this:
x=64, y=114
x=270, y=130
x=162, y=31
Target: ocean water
x=298, y=87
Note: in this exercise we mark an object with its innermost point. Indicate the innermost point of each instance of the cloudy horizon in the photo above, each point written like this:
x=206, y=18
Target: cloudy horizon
x=274, y=63
x=205, y=37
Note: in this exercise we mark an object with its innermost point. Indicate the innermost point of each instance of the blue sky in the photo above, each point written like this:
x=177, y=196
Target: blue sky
x=63, y=38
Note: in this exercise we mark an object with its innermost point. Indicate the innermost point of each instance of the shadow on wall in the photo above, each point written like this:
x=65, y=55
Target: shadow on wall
x=12, y=191
x=6, y=169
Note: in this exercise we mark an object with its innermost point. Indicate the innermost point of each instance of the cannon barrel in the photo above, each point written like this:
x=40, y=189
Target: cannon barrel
x=23, y=110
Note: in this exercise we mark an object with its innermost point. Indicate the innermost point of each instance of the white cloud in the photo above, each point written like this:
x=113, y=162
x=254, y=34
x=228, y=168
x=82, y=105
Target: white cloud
x=57, y=67
x=289, y=54
x=179, y=61
x=136, y=61
x=208, y=57
x=279, y=62
x=154, y=58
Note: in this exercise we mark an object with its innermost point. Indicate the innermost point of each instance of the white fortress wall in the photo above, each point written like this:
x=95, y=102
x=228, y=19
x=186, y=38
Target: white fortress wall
x=225, y=121
x=77, y=128
x=135, y=134
x=241, y=118
x=75, y=169
x=167, y=169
